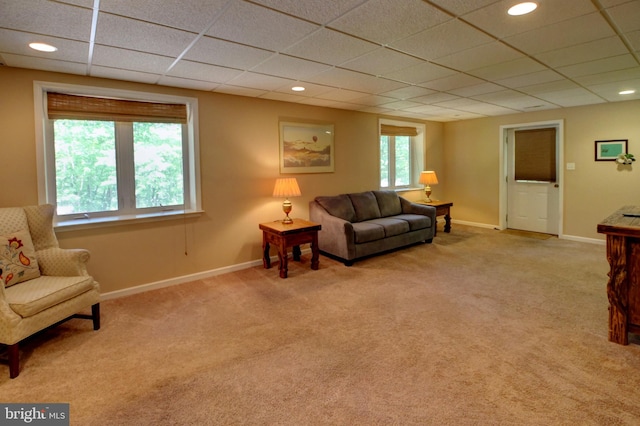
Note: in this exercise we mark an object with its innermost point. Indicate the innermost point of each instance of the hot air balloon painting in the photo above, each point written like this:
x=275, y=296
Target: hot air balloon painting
x=306, y=148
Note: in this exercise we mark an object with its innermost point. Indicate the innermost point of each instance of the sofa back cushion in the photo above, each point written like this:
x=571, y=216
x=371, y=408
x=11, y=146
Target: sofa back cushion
x=338, y=206
x=366, y=205
x=388, y=202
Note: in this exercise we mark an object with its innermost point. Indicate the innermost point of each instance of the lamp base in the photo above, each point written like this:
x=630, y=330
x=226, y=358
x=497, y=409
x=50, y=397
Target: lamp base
x=427, y=193
x=286, y=208
x=287, y=220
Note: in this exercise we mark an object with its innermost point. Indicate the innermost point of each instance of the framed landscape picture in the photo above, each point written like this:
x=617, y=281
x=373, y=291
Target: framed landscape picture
x=609, y=150
x=306, y=148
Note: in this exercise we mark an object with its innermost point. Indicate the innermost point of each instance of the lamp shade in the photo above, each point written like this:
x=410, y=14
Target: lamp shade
x=429, y=177
x=286, y=187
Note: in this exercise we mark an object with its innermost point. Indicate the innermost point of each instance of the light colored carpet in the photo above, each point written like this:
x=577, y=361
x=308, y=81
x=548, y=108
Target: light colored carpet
x=478, y=328
x=529, y=234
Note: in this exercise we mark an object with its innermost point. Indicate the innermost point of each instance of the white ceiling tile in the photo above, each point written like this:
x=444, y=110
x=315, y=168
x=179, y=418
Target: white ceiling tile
x=600, y=66
x=476, y=89
x=539, y=77
x=382, y=21
x=355, y=81
x=135, y=61
x=603, y=48
x=442, y=40
x=290, y=67
x=495, y=19
x=508, y=69
x=634, y=39
x=187, y=83
x=381, y=61
x=453, y=82
x=512, y=99
x=319, y=11
x=260, y=81
x=480, y=56
x=260, y=27
x=342, y=95
x=189, y=15
x=17, y=42
x=53, y=19
x=82, y=3
x=626, y=16
x=203, y=72
x=435, y=98
x=609, y=77
x=562, y=34
x=19, y=61
x=283, y=97
x=373, y=100
x=571, y=97
x=375, y=110
x=119, y=74
x=311, y=89
x=239, y=91
x=131, y=34
x=461, y=7
x=408, y=92
x=419, y=73
x=550, y=87
x=330, y=47
x=402, y=105
x=213, y=51
x=611, y=91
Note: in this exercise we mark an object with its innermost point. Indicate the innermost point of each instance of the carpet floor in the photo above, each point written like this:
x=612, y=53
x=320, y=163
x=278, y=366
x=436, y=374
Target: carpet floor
x=478, y=328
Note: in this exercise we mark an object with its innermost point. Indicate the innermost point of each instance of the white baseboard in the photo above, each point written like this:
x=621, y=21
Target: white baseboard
x=476, y=224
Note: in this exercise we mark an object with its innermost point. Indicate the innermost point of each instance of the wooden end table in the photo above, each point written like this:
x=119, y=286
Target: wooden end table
x=284, y=235
x=443, y=208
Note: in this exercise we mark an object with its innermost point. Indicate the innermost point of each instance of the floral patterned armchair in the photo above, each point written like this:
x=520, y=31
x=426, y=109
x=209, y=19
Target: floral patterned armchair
x=42, y=284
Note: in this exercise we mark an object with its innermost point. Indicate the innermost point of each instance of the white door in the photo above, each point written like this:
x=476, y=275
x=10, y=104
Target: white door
x=532, y=202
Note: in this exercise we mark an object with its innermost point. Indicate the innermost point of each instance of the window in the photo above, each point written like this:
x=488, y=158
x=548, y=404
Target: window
x=109, y=155
x=401, y=154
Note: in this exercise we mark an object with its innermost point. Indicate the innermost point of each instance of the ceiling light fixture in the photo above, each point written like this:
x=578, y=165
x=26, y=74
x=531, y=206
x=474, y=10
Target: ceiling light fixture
x=627, y=92
x=522, y=8
x=43, y=47
x=298, y=89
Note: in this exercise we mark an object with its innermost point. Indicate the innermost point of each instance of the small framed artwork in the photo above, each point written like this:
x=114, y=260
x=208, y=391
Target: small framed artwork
x=609, y=150
x=306, y=148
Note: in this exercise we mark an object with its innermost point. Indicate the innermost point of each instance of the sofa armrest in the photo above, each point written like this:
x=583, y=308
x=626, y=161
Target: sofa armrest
x=336, y=236
x=60, y=262
x=416, y=208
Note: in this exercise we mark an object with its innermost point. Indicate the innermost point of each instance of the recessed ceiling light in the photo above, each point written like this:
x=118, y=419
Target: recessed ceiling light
x=298, y=89
x=43, y=47
x=627, y=92
x=522, y=8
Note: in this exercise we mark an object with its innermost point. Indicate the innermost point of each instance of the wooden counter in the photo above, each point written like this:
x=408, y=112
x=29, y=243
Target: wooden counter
x=623, y=288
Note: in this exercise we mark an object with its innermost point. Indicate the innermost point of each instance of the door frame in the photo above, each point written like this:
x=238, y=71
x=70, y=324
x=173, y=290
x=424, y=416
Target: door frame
x=504, y=130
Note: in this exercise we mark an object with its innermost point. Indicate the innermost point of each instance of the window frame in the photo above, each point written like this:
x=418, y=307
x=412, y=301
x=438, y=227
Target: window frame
x=417, y=157
x=46, y=167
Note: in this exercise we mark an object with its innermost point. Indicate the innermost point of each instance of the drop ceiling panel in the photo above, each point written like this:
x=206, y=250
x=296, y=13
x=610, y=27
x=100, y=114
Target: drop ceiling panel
x=189, y=15
x=342, y=95
x=290, y=67
x=602, y=48
x=538, y=77
x=407, y=92
x=260, y=27
x=120, y=74
x=221, y=52
x=453, y=82
x=609, y=77
x=260, y=81
x=47, y=18
x=17, y=42
x=480, y=56
x=495, y=19
x=186, y=83
x=239, y=91
x=347, y=79
x=443, y=40
x=381, y=61
x=114, y=57
x=462, y=7
x=131, y=34
x=476, y=89
x=374, y=100
x=330, y=47
x=509, y=69
x=571, y=97
x=424, y=71
x=203, y=72
x=311, y=89
x=35, y=63
x=318, y=11
x=562, y=34
x=384, y=21
x=626, y=16
x=615, y=63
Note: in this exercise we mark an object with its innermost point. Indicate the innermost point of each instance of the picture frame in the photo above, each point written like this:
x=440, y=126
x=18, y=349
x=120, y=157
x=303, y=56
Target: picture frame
x=306, y=147
x=608, y=150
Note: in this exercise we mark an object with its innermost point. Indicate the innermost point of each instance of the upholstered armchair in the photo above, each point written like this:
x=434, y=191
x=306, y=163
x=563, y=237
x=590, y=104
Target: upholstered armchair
x=42, y=284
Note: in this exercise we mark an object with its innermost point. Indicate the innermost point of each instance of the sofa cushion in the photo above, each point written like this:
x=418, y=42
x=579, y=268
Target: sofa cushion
x=18, y=261
x=365, y=232
x=366, y=205
x=415, y=221
x=392, y=226
x=388, y=202
x=31, y=297
x=338, y=206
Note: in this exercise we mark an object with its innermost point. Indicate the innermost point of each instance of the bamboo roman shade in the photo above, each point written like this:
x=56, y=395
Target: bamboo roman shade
x=74, y=107
x=388, y=130
x=535, y=155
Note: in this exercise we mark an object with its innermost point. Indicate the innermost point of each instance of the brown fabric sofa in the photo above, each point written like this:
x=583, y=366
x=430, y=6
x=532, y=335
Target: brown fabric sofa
x=361, y=224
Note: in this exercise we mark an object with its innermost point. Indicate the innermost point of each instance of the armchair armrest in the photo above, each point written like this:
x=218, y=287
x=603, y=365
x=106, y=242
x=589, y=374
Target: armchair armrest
x=60, y=262
x=336, y=236
x=8, y=318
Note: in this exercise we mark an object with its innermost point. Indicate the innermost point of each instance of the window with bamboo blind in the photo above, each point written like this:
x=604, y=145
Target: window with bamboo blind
x=401, y=154
x=113, y=154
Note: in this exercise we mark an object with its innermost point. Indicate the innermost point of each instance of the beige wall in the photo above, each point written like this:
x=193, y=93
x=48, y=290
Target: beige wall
x=239, y=164
x=591, y=192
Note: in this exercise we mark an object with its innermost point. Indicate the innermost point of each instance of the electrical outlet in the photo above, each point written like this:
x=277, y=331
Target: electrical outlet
x=571, y=166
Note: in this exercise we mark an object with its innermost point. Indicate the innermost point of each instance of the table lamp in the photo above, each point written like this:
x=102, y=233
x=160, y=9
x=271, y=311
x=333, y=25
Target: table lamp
x=428, y=178
x=286, y=187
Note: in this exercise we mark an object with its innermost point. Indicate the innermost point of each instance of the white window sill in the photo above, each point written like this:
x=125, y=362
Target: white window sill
x=101, y=222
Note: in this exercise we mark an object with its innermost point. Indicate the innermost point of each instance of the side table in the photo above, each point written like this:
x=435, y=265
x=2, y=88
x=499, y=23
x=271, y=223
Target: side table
x=443, y=208
x=284, y=235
